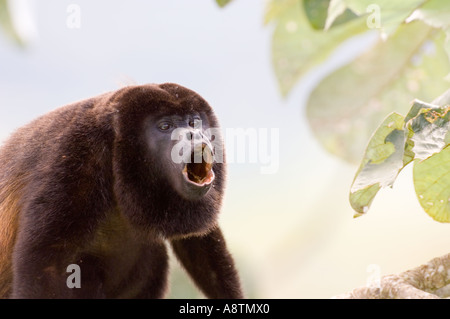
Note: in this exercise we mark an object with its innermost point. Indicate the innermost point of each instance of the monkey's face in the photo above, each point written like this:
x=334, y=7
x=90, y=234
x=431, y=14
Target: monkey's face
x=168, y=159
x=182, y=148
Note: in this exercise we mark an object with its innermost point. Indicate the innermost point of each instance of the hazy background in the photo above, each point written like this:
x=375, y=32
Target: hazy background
x=292, y=233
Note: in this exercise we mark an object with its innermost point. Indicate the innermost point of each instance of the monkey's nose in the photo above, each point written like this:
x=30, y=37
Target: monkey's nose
x=195, y=135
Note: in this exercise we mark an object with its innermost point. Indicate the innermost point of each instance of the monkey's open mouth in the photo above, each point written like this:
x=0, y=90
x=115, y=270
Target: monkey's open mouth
x=199, y=170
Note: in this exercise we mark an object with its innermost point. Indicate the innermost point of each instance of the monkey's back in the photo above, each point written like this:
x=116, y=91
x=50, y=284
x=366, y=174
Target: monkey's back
x=25, y=158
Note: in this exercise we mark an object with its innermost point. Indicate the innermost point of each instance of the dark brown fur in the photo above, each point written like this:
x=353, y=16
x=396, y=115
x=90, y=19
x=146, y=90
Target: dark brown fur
x=79, y=186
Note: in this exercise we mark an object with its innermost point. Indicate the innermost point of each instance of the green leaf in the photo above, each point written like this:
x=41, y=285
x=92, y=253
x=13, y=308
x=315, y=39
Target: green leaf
x=421, y=136
x=223, y=3
x=410, y=64
x=316, y=12
x=433, y=12
x=7, y=24
x=275, y=9
x=296, y=46
x=437, y=14
x=432, y=185
x=362, y=199
x=383, y=160
x=335, y=9
x=338, y=14
x=429, y=129
x=391, y=13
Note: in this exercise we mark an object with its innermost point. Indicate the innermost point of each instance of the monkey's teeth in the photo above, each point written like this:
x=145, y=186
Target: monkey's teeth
x=208, y=155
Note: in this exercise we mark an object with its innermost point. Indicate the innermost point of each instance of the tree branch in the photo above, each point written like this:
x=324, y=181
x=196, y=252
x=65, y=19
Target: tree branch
x=429, y=281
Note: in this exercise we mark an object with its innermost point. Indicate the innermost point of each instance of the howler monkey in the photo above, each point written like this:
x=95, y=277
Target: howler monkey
x=104, y=184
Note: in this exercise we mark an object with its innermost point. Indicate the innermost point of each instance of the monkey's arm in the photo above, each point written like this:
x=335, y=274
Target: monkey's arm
x=210, y=265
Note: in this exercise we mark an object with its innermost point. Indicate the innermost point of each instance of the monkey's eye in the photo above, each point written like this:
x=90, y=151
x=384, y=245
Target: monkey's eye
x=165, y=126
x=195, y=123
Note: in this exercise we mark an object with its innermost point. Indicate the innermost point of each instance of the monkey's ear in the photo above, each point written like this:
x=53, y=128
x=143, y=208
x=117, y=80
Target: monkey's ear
x=209, y=264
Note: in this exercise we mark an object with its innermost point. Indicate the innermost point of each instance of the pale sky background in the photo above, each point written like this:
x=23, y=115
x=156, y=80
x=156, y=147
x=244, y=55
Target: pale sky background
x=292, y=232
